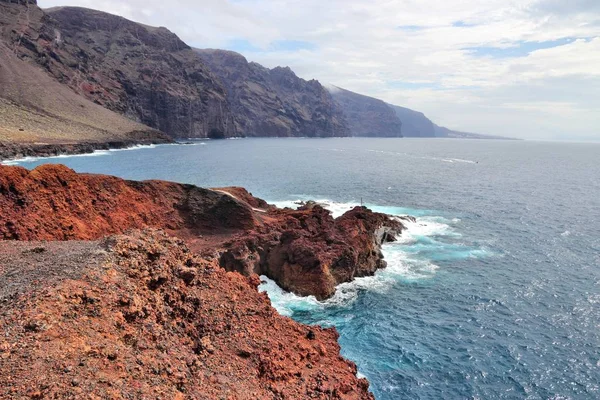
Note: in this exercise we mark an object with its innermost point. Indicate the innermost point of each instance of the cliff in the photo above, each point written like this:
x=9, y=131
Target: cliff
x=140, y=316
x=147, y=74
x=366, y=115
x=414, y=123
x=274, y=102
x=36, y=109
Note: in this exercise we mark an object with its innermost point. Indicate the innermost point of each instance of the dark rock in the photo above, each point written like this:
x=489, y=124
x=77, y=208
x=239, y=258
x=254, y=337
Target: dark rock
x=145, y=73
x=274, y=102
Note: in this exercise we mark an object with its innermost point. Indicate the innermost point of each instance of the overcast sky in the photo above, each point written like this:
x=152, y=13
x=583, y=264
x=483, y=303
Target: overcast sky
x=528, y=68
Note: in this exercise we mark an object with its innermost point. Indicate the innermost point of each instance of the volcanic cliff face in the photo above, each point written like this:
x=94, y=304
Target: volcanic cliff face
x=140, y=316
x=35, y=109
x=274, y=102
x=367, y=116
x=147, y=74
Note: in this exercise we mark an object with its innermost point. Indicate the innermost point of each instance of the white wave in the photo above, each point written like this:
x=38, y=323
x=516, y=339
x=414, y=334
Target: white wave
x=425, y=226
x=447, y=159
x=18, y=161
x=337, y=209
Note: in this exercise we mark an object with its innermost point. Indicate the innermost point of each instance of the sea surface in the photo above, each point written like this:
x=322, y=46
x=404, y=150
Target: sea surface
x=493, y=294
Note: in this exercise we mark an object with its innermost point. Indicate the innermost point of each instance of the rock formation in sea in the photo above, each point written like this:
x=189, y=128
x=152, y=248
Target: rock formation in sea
x=367, y=116
x=308, y=252
x=274, y=102
x=305, y=251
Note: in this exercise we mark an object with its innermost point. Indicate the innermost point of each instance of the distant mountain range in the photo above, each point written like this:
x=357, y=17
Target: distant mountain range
x=72, y=74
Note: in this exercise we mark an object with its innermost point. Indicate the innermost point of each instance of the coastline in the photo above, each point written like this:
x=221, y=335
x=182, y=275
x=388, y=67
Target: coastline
x=131, y=249
x=11, y=151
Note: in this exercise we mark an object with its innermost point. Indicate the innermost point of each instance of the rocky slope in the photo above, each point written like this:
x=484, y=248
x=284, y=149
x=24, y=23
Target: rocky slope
x=367, y=116
x=274, y=102
x=35, y=109
x=140, y=316
x=145, y=315
x=52, y=202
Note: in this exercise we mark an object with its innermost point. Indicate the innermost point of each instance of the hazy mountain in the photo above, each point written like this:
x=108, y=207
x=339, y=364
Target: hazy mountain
x=366, y=115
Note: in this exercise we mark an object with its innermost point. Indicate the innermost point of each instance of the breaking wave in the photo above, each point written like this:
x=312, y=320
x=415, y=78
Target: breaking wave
x=412, y=258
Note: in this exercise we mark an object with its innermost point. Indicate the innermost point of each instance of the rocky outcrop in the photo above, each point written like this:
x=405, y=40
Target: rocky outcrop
x=140, y=316
x=308, y=252
x=367, y=116
x=52, y=202
x=274, y=102
x=305, y=251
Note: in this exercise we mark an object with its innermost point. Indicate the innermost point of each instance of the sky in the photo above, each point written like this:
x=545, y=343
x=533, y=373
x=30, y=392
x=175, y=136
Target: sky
x=527, y=69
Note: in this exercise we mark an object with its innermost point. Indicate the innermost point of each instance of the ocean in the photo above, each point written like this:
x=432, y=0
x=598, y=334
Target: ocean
x=494, y=293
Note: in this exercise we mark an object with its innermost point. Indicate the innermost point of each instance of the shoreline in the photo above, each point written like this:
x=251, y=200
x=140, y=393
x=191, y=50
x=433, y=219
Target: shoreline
x=14, y=152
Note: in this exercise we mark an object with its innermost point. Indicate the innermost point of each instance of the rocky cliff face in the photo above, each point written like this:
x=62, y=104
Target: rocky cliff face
x=367, y=116
x=147, y=74
x=274, y=102
x=140, y=316
x=414, y=123
x=34, y=107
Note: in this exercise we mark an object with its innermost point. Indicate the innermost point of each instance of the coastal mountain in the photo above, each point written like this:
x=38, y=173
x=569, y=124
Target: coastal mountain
x=38, y=111
x=366, y=115
x=147, y=74
x=73, y=80
x=274, y=102
x=414, y=123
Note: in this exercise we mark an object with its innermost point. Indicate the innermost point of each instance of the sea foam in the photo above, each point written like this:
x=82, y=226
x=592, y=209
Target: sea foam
x=406, y=258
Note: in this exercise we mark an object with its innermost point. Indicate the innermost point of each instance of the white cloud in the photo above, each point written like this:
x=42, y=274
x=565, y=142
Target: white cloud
x=414, y=53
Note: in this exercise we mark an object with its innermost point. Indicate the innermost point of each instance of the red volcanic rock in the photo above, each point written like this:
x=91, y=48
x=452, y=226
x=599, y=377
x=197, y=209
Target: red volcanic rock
x=305, y=251
x=140, y=316
x=52, y=202
x=308, y=252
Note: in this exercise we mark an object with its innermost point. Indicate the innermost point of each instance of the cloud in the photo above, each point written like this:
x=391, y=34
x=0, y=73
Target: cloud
x=521, y=68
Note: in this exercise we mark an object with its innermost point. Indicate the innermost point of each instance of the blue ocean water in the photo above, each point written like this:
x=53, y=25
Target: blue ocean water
x=493, y=294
